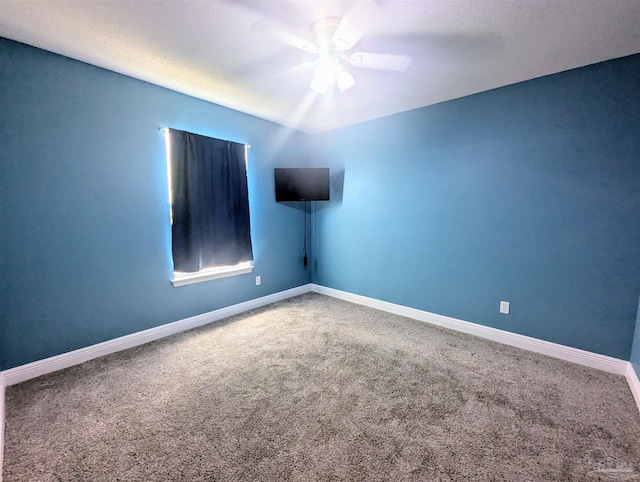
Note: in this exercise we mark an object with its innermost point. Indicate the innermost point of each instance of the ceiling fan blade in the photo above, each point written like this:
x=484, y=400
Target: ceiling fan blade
x=361, y=14
x=279, y=32
x=370, y=60
x=346, y=35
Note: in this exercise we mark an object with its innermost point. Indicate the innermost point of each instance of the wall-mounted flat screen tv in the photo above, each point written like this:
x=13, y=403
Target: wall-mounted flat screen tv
x=302, y=184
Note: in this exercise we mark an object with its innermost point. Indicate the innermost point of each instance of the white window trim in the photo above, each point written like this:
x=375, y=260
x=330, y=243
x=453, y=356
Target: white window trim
x=182, y=279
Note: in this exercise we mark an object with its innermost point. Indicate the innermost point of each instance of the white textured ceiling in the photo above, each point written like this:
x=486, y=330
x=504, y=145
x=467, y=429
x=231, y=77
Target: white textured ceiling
x=208, y=49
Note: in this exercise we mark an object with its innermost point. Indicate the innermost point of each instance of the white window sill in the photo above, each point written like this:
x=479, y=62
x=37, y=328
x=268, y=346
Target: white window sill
x=181, y=279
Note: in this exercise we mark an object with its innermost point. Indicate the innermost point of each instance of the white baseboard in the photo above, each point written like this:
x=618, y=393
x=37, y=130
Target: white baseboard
x=65, y=360
x=575, y=355
x=1, y=422
x=634, y=383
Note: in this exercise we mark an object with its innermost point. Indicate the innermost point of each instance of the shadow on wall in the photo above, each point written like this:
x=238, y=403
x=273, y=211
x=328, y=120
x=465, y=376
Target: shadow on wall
x=337, y=186
x=336, y=190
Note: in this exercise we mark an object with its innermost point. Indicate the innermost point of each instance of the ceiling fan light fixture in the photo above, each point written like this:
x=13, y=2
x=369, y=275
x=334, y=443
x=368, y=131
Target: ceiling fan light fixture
x=344, y=79
x=325, y=76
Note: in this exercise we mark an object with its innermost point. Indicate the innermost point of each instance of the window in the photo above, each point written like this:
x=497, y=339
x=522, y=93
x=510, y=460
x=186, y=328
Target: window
x=209, y=198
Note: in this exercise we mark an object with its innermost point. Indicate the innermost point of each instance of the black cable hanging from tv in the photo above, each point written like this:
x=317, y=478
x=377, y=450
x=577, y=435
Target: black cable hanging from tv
x=305, y=260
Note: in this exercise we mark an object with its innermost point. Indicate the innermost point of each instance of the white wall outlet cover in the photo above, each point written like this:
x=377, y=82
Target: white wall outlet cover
x=504, y=307
x=258, y=280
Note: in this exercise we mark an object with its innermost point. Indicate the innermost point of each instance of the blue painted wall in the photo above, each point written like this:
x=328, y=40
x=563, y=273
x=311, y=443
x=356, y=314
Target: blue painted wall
x=528, y=193
x=85, y=243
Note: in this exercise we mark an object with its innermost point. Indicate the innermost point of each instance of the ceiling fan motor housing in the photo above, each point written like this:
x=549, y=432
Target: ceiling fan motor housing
x=323, y=30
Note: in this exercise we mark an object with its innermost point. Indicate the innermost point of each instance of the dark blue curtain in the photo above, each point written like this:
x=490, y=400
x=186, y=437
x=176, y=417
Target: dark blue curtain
x=210, y=202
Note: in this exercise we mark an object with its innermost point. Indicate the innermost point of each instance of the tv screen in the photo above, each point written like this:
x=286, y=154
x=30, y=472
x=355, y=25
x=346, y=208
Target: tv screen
x=302, y=184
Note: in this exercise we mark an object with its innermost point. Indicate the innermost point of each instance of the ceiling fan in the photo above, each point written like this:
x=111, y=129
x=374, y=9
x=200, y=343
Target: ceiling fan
x=334, y=39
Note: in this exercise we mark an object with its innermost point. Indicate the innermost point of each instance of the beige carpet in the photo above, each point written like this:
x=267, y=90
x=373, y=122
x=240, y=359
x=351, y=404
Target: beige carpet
x=314, y=388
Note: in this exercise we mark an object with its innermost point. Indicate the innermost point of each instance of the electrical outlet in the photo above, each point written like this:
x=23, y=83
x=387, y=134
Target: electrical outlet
x=504, y=307
x=258, y=280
